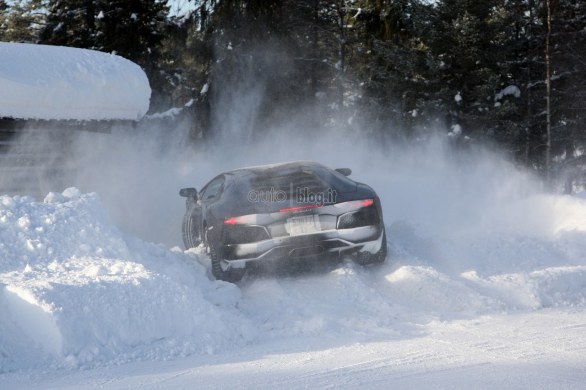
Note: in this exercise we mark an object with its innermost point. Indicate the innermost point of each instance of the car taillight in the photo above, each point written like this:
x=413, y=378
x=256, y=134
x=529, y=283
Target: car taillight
x=234, y=221
x=230, y=221
x=355, y=204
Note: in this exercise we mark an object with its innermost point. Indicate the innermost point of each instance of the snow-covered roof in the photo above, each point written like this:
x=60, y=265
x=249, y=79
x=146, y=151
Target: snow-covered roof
x=61, y=83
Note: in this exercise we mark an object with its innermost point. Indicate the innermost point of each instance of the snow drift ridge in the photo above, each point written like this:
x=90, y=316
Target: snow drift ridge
x=74, y=291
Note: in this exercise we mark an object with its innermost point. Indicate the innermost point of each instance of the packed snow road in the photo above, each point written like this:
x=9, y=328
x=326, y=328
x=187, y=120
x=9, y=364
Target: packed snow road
x=543, y=350
x=85, y=305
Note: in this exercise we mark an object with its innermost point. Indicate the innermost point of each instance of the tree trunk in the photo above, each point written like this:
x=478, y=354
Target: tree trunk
x=528, y=95
x=548, y=92
x=314, y=48
x=341, y=50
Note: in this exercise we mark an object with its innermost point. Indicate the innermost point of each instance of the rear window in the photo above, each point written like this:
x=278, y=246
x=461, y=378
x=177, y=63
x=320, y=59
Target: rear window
x=290, y=183
x=270, y=189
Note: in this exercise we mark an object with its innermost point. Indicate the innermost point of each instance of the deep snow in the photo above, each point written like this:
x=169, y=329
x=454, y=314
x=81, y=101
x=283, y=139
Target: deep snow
x=77, y=293
x=498, y=303
x=55, y=82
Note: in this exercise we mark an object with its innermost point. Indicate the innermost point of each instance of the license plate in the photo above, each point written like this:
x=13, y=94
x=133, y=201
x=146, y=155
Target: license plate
x=303, y=225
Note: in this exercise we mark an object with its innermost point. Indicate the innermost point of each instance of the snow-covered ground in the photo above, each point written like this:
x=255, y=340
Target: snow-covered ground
x=498, y=302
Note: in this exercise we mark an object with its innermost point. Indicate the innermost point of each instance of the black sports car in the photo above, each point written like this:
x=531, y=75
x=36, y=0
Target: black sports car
x=297, y=210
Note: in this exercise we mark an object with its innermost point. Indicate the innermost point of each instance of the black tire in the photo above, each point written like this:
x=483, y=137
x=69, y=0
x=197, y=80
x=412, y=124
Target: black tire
x=190, y=230
x=232, y=275
x=366, y=258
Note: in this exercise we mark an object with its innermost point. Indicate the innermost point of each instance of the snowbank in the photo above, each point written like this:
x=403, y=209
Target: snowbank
x=53, y=82
x=76, y=292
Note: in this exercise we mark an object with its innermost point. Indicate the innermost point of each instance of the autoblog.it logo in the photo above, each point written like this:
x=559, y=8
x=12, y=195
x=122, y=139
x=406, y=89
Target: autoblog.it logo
x=301, y=195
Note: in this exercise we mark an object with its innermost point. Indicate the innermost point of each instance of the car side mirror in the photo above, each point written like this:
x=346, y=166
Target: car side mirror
x=344, y=171
x=188, y=192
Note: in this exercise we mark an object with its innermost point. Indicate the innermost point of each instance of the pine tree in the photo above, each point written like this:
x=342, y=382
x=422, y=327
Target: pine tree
x=472, y=44
x=70, y=23
x=394, y=62
x=565, y=134
x=264, y=53
x=20, y=21
x=131, y=28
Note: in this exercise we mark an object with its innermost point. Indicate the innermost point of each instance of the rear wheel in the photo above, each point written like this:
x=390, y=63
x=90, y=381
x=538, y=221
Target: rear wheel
x=365, y=258
x=190, y=230
x=232, y=275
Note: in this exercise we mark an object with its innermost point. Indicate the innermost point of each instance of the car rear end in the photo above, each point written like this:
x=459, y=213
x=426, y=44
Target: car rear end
x=301, y=213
